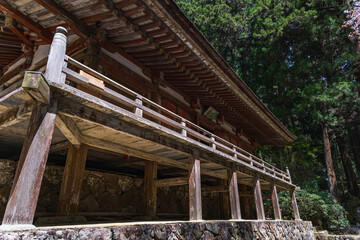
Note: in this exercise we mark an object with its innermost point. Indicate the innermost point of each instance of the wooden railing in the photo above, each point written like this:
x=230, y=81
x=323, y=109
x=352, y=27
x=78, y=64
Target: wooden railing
x=144, y=108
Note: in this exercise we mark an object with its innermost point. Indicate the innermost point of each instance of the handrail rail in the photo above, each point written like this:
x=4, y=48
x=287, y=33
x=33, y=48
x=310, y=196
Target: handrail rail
x=181, y=124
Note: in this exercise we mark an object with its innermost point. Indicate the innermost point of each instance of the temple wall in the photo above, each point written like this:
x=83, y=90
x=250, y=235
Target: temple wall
x=281, y=230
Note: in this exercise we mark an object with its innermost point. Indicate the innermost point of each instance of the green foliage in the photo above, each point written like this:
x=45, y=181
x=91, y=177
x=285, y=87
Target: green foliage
x=299, y=61
x=318, y=208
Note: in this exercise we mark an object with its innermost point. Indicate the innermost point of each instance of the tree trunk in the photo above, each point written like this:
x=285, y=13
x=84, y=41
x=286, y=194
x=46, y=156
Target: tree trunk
x=329, y=165
x=355, y=145
x=348, y=168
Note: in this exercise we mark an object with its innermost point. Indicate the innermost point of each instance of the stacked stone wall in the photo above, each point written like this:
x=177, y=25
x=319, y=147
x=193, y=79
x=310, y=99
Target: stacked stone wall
x=210, y=230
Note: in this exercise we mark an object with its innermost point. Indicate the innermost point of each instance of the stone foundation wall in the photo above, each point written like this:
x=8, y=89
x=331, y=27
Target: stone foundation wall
x=226, y=230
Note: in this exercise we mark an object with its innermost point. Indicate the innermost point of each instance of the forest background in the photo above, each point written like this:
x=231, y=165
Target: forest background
x=301, y=58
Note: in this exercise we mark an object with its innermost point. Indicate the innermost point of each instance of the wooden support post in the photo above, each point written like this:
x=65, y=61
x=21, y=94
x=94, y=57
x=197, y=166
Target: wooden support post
x=294, y=204
x=71, y=185
x=234, y=195
x=224, y=201
x=245, y=202
x=23, y=199
x=258, y=199
x=150, y=189
x=195, y=208
x=275, y=201
x=56, y=57
x=138, y=111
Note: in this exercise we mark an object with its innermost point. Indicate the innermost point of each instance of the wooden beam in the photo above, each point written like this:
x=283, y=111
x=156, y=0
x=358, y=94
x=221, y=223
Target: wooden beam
x=275, y=201
x=169, y=182
x=69, y=129
x=258, y=198
x=16, y=114
x=72, y=180
x=294, y=204
x=9, y=23
x=36, y=86
x=75, y=24
x=23, y=199
x=234, y=195
x=195, y=207
x=59, y=146
x=43, y=33
x=150, y=189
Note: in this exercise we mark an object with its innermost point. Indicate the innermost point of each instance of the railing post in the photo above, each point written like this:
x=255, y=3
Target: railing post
x=138, y=111
x=213, y=145
x=183, y=131
x=288, y=173
x=251, y=161
x=235, y=155
x=56, y=59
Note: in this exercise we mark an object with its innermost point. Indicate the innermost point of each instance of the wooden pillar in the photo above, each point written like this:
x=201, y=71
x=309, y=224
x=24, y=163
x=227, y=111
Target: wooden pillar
x=245, y=203
x=224, y=201
x=234, y=195
x=22, y=202
x=72, y=180
x=294, y=204
x=150, y=189
x=195, y=208
x=258, y=199
x=275, y=201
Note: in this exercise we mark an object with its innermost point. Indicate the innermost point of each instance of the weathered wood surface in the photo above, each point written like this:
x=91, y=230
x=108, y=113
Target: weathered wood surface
x=72, y=180
x=56, y=57
x=224, y=199
x=245, y=202
x=16, y=114
x=234, y=195
x=195, y=207
x=23, y=199
x=69, y=129
x=294, y=205
x=150, y=189
x=36, y=86
x=169, y=182
x=275, y=201
x=119, y=119
x=259, y=204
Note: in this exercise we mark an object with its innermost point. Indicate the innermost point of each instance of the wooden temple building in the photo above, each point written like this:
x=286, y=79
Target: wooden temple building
x=131, y=78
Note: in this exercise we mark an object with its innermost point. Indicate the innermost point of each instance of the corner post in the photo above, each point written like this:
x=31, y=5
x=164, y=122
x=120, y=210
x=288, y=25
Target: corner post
x=234, y=195
x=195, y=207
x=258, y=199
x=56, y=59
x=294, y=204
x=275, y=201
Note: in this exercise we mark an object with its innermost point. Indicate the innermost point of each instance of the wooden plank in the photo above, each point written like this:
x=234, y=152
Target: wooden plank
x=72, y=180
x=234, y=195
x=275, y=201
x=69, y=129
x=258, y=198
x=36, y=86
x=59, y=146
x=22, y=202
x=195, y=207
x=294, y=205
x=169, y=182
x=43, y=33
x=93, y=80
x=150, y=189
x=224, y=200
x=245, y=202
